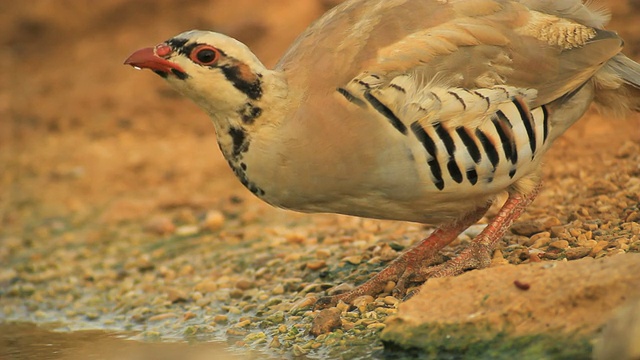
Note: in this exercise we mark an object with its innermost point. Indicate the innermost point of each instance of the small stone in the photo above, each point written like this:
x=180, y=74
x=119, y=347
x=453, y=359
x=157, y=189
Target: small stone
x=303, y=304
x=577, y=252
x=590, y=243
x=186, y=270
x=278, y=290
x=361, y=302
x=326, y=321
x=390, y=300
x=634, y=216
x=236, y=293
x=316, y=265
x=534, y=238
x=206, y=286
x=188, y=315
x=376, y=326
x=213, y=220
x=323, y=254
x=541, y=242
x=176, y=295
x=339, y=289
x=603, y=187
x=221, y=319
x=388, y=288
x=187, y=230
x=355, y=259
x=299, y=350
x=557, y=231
x=255, y=336
x=245, y=284
x=575, y=232
x=275, y=343
x=161, y=226
x=559, y=244
x=243, y=323
x=161, y=317
x=599, y=247
x=527, y=228
x=295, y=238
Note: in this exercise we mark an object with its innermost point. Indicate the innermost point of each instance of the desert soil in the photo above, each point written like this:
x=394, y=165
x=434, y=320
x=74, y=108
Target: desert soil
x=118, y=212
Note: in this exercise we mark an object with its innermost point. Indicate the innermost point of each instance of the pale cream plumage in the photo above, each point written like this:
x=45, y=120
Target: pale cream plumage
x=415, y=110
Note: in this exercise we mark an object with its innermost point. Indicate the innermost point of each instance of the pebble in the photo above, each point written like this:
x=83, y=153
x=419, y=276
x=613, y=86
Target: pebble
x=389, y=287
x=534, y=238
x=278, y=290
x=213, y=220
x=559, y=244
x=187, y=230
x=599, y=247
x=577, y=252
x=221, y=319
x=243, y=323
x=206, y=286
x=188, y=315
x=355, y=259
x=541, y=242
x=252, y=337
x=361, y=302
x=161, y=225
x=316, y=265
x=376, y=326
x=390, y=300
x=303, y=304
x=527, y=228
x=176, y=295
x=323, y=253
x=161, y=317
x=245, y=284
x=326, y=321
x=338, y=289
x=275, y=343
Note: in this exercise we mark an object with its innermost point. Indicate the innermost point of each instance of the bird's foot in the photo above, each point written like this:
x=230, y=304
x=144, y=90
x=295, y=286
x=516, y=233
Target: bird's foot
x=401, y=272
x=405, y=271
x=414, y=266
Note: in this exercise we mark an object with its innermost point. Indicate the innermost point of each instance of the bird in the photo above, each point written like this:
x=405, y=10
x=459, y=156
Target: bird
x=411, y=110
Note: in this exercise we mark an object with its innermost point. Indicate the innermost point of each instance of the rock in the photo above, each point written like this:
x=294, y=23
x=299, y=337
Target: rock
x=213, y=220
x=620, y=336
x=478, y=308
x=527, y=228
x=559, y=244
x=316, y=265
x=161, y=225
x=326, y=321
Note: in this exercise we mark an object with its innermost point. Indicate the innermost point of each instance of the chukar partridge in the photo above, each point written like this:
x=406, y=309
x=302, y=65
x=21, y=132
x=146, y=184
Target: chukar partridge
x=413, y=110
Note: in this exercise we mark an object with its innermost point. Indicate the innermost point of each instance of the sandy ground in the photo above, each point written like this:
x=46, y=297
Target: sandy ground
x=109, y=178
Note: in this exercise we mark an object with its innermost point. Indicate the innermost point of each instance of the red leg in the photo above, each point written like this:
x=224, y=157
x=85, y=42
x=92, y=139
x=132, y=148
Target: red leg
x=402, y=269
x=410, y=267
x=478, y=254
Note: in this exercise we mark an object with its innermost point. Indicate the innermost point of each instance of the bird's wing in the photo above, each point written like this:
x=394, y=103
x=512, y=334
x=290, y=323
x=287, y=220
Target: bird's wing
x=552, y=47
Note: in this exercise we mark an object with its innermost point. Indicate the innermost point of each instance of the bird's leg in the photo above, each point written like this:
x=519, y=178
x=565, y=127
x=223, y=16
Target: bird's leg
x=478, y=254
x=401, y=270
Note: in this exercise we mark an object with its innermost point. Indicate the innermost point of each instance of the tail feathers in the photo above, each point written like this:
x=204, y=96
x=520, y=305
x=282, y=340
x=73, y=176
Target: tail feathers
x=618, y=86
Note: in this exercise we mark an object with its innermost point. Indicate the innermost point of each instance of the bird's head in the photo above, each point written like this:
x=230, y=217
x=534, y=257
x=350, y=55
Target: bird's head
x=219, y=73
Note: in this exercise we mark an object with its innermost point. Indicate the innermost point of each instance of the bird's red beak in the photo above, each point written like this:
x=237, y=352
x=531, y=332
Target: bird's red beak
x=152, y=58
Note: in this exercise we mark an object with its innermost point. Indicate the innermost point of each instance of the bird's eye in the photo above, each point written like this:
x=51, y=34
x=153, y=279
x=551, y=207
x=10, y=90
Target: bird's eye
x=205, y=55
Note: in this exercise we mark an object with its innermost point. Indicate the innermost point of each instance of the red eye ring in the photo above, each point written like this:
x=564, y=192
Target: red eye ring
x=205, y=55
